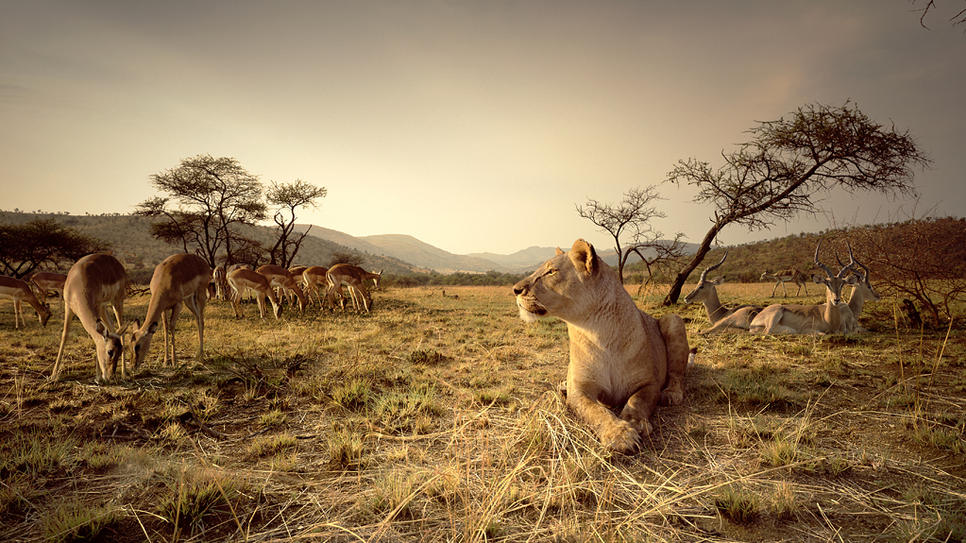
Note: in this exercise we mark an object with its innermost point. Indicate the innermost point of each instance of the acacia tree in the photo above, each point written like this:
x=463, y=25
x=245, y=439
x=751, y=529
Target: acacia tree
x=26, y=247
x=206, y=198
x=630, y=218
x=788, y=162
x=287, y=197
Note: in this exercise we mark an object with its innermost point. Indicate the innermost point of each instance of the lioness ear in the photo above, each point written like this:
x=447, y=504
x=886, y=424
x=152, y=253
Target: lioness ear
x=584, y=257
x=558, y=252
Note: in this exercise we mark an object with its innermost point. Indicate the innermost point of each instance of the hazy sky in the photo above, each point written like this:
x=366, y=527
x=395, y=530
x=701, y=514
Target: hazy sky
x=474, y=126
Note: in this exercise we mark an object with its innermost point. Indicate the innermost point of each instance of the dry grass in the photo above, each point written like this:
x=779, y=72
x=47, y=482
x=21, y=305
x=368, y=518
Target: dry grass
x=435, y=419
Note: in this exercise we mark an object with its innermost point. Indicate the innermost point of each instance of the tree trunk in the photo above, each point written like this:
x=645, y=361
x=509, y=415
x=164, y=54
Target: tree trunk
x=682, y=276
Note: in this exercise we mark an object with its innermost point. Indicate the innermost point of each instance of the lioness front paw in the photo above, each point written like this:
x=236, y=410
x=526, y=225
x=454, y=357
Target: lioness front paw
x=621, y=437
x=641, y=426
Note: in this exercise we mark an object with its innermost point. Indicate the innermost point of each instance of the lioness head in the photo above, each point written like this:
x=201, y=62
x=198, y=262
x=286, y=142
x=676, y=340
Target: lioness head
x=564, y=286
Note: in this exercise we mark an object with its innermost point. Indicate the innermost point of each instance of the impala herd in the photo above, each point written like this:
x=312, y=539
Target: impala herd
x=99, y=280
x=833, y=316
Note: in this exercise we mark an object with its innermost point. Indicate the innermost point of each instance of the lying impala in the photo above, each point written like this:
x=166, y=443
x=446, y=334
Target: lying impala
x=242, y=278
x=721, y=316
x=780, y=277
x=181, y=278
x=827, y=318
x=19, y=291
x=281, y=278
x=861, y=291
x=94, y=282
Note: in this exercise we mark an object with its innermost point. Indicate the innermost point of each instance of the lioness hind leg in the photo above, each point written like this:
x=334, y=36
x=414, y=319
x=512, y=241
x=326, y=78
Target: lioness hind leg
x=676, y=342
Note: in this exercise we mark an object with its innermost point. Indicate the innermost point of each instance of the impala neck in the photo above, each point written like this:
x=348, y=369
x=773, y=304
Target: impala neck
x=713, y=305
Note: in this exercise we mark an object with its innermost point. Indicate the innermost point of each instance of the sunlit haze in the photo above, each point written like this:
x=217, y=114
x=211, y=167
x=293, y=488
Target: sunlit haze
x=473, y=126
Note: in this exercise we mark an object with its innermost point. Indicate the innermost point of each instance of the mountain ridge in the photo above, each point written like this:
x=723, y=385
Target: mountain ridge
x=423, y=255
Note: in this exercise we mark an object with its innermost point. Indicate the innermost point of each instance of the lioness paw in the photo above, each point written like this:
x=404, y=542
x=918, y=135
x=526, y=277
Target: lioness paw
x=621, y=437
x=641, y=426
x=672, y=396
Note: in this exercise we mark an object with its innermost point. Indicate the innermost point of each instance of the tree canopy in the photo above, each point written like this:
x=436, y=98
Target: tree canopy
x=205, y=198
x=26, y=247
x=629, y=223
x=286, y=198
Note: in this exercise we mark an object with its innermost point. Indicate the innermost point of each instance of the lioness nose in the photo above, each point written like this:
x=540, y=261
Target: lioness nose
x=519, y=289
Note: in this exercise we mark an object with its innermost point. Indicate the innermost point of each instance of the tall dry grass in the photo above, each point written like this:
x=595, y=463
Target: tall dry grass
x=436, y=419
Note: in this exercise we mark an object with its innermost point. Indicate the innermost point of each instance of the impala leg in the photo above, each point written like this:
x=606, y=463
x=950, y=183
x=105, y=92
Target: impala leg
x=198, y=308
x=175, y=311
x=55, y=374
x=261, y=304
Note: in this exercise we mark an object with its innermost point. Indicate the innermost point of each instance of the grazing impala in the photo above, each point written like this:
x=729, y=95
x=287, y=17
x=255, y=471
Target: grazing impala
x=780, y=277
x=179, y=278
x=19, y=291
x=47, y=282
x=94, y=282
x=242, y=278
x=722, y=317
x=315, y=281
x=827, y=318
x=353, y=278
x=281, y=278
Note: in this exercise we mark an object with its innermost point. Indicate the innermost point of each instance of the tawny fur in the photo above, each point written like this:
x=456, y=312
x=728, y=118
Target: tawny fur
x=181, y=278
x=94, y=282
x=620, y=357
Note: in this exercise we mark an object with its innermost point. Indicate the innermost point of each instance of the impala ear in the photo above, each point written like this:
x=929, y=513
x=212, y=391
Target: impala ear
x=153, y=328
x=557, y=252
x=100, y=328
x=584, y=257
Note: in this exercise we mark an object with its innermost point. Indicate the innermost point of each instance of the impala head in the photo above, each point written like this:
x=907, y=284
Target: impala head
x=764, y=275
x=861, y=282
x=376, y=279
x=565, y=286
x=834, y=283
x=705, y=286
x=43, y=315
x=109, y=348
x=138, y=341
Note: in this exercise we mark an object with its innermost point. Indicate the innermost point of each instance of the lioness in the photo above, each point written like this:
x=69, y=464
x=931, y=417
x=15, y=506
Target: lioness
x=620, y=357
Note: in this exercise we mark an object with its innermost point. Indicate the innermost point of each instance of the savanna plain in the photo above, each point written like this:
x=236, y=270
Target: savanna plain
x=436, y=418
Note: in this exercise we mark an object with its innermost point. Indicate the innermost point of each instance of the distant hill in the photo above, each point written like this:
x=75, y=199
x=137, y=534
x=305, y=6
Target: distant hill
x=425, y=256
x=130, y=238
x=746, y=262
x=419, y=254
